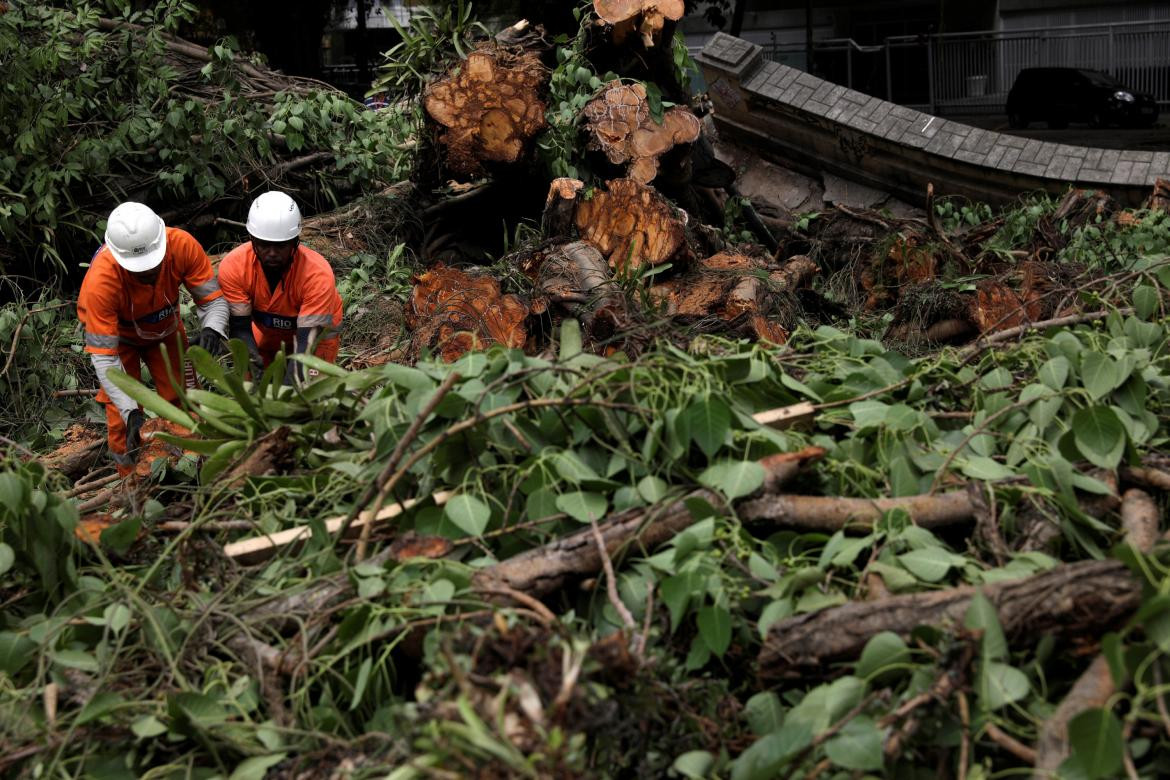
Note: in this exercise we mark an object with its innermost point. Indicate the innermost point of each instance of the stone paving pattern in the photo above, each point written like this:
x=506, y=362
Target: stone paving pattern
x=1022, y=156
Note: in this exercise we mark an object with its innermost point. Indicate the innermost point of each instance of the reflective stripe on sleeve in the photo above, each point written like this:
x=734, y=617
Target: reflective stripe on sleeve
x=240, y=309
x=315, y=321
x=201, y=291
x=99, y=341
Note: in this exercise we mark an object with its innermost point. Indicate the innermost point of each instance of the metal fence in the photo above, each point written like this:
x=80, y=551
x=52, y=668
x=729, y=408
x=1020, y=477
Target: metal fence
x=954, y=73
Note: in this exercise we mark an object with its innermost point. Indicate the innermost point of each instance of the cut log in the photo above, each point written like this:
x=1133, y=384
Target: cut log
x=544, y=570
x=631, y=224
x=1079, y=598
x=621, y=125
x=576, y=276
x=647, y=17
x=798, y=272
x=453, y=312
x=830, y=514
x=273, y=453
x=560, y=207
x=490, y=106
x=78, y=454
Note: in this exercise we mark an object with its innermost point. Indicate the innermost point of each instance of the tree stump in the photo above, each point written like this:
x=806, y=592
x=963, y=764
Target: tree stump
x=490, y=104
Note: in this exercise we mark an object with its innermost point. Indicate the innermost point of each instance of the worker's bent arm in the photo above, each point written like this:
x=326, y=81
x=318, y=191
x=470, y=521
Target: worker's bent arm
x=121, y=401
x=214, y=314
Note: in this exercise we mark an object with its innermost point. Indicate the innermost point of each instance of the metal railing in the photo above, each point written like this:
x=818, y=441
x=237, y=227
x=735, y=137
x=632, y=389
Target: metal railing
x=972, y=72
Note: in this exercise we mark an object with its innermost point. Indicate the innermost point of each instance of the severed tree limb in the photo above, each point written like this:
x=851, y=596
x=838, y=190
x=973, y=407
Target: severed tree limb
x=544, y=570
x=827, y=513
x=1096, y=686
x=1071, y=599
x=1147, y=477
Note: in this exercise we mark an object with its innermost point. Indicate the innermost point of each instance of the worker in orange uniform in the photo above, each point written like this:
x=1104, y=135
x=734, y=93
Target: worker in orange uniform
x=281, y=294
x=129, y=307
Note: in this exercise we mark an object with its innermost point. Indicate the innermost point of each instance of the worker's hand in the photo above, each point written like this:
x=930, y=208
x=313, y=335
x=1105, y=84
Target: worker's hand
x=211, y=341
x=134, y=431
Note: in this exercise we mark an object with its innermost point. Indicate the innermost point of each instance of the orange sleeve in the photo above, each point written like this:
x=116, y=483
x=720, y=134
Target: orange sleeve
x=97, y=307
x=196, y=271
x=232, y=281
x=321, y=305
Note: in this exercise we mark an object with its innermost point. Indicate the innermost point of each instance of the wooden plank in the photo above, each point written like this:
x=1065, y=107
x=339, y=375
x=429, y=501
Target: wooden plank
x=257, y=548
x=786, y=417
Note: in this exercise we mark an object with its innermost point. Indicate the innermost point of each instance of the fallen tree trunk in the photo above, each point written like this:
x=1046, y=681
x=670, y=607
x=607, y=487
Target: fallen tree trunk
x=577, y=277
x=544, y=570
x=1077, y=598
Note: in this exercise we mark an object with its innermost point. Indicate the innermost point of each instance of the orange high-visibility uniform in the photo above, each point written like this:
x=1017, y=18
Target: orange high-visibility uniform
x=124, y=317
x=306, y=297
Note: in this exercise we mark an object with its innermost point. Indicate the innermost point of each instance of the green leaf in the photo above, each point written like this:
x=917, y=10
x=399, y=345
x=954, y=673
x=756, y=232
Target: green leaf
x=75, y=659
x=150, y=400
x=764, y=713
x=7, y=557
x=652, y=489
x=857, y=746
x=1145, y=301
x=16, y=652
x=200, y=709
x=981, y=615
x=709, y=420
x=468, y=513
x=148, y=726
x=256, y=767
x=1054, y=373
x=715, y=628
x=101, y=703
x=1095, y=738
x=979, y=467
x=1099, y=435
x=930, y=564
x=120, y=537
x=1101, y=374
x=677, y=592
x=767, y=755
x=570, y=338
x=695, y=764
x=1001, y=684
x=359, y=686
x=582, y=505
x=733, y=478
x=884, y=650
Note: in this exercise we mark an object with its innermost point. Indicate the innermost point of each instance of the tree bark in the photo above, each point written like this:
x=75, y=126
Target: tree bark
x=544, y=570
x=830, y=514
x=1084, y=597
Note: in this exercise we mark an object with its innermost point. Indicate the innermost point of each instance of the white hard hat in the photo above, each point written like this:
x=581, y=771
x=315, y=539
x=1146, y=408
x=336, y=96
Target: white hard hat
x=136, y=236
x=274, y=216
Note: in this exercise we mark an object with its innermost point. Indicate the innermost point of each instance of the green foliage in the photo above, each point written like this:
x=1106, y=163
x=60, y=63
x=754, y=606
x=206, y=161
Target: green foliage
x=572, y=84
x=39, y=354
x=434, y=38
x=95, y=115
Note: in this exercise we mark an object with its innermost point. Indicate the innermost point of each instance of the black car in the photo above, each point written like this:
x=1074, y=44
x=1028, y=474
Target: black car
x=1062, y=95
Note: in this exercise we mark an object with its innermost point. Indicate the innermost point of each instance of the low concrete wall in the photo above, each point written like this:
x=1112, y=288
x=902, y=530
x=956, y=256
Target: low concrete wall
x=814, y=125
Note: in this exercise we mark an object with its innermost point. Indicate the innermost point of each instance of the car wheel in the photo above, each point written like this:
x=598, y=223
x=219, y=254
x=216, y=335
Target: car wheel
x=1017, y=121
